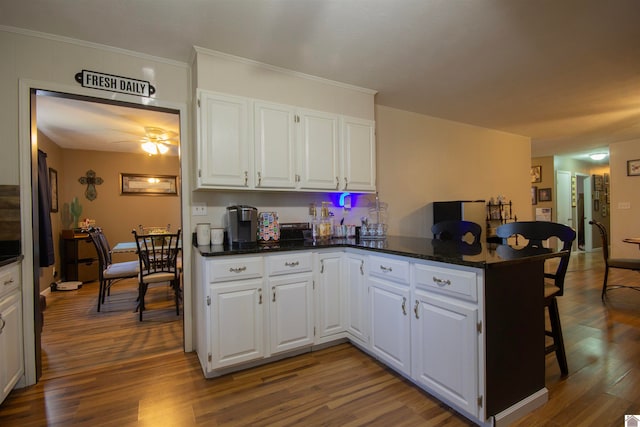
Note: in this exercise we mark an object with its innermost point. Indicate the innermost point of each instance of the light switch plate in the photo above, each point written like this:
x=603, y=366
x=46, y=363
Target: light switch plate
x=624, y=205
x=199, y=209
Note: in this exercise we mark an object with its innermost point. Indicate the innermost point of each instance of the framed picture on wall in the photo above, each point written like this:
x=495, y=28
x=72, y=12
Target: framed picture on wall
x=536, y=174
x=544, y=194
x=633, y=167
x=148, y=185
x=598, y=182
x=53, y=183
x=534, y=195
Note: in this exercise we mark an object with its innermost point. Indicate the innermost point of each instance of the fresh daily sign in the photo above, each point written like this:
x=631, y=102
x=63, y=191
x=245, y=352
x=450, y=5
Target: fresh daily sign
x=111, y=83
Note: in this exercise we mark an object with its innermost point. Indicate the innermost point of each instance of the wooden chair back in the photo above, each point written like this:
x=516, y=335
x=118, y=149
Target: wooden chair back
x=536, y=233
x=157, y=253
x=456, y=230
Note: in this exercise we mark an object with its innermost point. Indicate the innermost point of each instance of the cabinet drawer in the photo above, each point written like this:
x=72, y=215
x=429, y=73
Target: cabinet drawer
x=235, y=269
x=290, y=263
x=86, y=249
x=88, y=270
x=461, y=284
x=9, y=278
x=387, y=268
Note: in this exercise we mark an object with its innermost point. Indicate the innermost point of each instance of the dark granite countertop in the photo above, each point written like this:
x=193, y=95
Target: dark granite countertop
x=485, y=255
x=9, y=259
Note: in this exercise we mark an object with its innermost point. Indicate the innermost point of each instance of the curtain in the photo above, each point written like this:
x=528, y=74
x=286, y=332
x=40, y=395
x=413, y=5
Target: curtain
x=47, y=256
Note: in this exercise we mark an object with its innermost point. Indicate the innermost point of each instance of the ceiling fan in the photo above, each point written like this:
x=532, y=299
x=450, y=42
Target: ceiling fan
x=157, y=140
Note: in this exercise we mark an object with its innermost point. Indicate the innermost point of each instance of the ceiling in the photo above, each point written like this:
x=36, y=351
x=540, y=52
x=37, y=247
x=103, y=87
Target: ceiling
x=565, y=73
x=82, y=125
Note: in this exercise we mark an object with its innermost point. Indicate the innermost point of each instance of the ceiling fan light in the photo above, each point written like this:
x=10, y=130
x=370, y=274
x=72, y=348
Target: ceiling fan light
x=162, y=148
x=597, y=156
x=150, y=148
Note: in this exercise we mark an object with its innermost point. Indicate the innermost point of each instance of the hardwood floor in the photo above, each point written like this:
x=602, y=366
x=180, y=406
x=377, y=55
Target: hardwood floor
x=108, y=369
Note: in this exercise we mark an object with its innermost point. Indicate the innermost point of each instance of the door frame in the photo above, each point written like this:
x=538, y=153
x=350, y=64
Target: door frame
x=588, y=210
x=28, y=148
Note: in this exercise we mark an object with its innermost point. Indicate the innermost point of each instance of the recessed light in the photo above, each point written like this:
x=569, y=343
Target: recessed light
x=598, y=156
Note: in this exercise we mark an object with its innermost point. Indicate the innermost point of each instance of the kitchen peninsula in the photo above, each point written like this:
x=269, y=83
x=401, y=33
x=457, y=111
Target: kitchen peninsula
x=463, y=322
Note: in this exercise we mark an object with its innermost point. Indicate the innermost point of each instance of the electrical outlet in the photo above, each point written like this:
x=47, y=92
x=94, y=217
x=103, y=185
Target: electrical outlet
x=624, y=205
x=199, y=209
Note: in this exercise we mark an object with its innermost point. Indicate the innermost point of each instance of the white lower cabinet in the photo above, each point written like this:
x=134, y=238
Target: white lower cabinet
x=291, y=312
x=330, y=295
x=389, y=292
x=444, y=349
x=437, y=324
x=445, y=328
x=253, y=307
x=11, y=353
x=390, y=324
x=237, y=307
x=354, y=280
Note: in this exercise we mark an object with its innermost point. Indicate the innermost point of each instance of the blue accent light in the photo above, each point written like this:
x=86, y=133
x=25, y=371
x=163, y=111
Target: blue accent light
x=341, y=200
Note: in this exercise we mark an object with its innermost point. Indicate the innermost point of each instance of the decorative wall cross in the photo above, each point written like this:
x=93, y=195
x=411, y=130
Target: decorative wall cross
x=90, y=180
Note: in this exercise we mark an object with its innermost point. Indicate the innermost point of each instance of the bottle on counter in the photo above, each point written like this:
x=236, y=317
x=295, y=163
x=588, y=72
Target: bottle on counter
x=325, y=227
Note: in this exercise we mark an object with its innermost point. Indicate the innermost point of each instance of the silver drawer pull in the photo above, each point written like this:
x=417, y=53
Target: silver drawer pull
x=386, y=269
x=238, y=269
x=8, y=282
x=415, y=309
x=2, y=324
x=404, y=305
x=441, y=282
x=292, y=264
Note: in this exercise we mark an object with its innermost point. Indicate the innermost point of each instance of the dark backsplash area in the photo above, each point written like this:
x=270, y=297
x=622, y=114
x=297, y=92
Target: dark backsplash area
x=10, y=220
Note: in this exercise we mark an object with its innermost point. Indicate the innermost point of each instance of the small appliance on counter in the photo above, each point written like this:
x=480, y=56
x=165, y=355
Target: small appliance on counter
x=291, y=231
x=242, y=223
x=268, y=228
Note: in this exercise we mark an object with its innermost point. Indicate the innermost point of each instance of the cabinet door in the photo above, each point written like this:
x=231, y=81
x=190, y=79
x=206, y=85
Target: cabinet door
x=330, y=298
x=11, y=359
x=358, y=154
x=319, y=157
x=274, y=142
x=291, y=310
x=445, y=348
x=237, y=322
x=356, y=295
x=223, y=144
x=390, y=323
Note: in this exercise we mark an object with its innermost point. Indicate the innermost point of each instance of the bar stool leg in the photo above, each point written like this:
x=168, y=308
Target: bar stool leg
x=556, y=333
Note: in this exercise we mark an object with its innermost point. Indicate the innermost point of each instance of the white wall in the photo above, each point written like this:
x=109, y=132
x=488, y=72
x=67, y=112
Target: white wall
x=34, y=60
x=423, y=159
x=624, y=189
x=238, y=76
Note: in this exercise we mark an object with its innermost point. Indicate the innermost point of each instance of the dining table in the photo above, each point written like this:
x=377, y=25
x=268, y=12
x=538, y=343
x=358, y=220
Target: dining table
x=632, y=240
x=124, y=248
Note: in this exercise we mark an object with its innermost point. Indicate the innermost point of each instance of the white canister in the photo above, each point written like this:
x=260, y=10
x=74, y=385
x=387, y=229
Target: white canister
x=203, y=234
x=217, y=236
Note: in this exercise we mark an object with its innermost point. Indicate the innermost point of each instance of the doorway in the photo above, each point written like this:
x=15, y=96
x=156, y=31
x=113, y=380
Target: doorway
x=72, y=162
x=585, y=232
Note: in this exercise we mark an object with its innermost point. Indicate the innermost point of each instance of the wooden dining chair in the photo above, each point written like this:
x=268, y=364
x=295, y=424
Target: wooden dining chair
x=536, y=233
x=158, y=256
x=457, y=230
x=622, y=263
x=109, y=272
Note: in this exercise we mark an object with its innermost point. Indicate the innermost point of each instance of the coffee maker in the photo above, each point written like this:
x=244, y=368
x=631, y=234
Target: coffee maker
x=242, y=223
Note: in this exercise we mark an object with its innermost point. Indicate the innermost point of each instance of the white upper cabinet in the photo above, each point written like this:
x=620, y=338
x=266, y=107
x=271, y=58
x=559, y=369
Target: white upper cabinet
x=224, y=153
x=358, y=154
x=319, y=159
x=251, y=144
x=274, y=144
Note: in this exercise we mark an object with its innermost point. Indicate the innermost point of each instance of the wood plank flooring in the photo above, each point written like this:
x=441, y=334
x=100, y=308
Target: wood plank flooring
x=108, y=369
